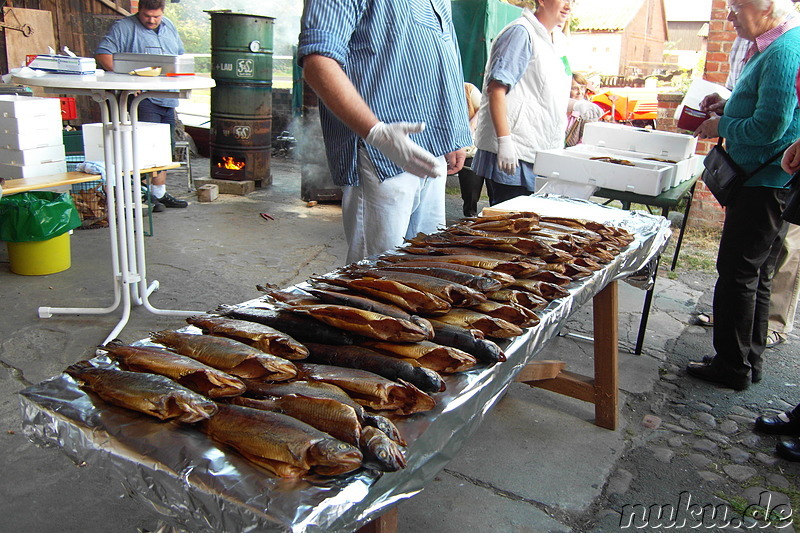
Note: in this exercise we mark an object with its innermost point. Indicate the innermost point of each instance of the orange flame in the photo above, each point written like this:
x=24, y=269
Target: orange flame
x=231, y=163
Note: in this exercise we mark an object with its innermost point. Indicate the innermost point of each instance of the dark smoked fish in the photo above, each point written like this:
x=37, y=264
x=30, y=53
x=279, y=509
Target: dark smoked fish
x=283, y=445
x=478, y=283
x=489, y=325
x=376, y=445
x=265, y=338
x=403, y=296
x=465, y=339
x=300, y=328
x=189, y=372
x=150, y=394
x=504, y=279
x=228, y=355
x=366, y=323
x=365, y=359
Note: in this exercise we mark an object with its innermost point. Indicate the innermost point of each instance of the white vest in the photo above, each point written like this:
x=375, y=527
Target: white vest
x=537, y=104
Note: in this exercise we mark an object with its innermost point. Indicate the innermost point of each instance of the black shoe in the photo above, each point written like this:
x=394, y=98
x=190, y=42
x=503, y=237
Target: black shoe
x=707, y=372
x=157, y=206
x=789, y=449
x=783, y=424
x=170, y=201
x=754, y=373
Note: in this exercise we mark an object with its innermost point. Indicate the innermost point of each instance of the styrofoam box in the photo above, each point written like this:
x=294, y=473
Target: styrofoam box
x=647, y=178
x=675, y=146
x=170, y=64
x=27, y=125
x=14, y=105
x=45, y=135
x=33, y=156
x=153, y=143
x=32, y=171
x=681, y=170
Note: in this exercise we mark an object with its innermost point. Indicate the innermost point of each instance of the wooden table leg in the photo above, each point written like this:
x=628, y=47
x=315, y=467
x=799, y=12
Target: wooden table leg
x=385, y=523
x=606, y=356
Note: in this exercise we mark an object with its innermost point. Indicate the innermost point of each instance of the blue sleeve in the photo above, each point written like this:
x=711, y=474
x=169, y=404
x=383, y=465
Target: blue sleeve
x=510, y=55
x=326, y=27
x=115, y=40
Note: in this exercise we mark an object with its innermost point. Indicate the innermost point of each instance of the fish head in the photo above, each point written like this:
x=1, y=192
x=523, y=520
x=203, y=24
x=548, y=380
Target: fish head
x=335, y=453
x=383, y=450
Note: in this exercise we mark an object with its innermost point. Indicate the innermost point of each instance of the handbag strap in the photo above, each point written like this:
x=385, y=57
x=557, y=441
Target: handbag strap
x=763, y=165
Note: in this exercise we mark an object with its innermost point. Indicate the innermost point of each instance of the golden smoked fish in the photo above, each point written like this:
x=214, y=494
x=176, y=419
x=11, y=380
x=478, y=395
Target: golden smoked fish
x=371, y=390
x=451, y=292
x=189, y=372
x=265, y=338
x=283, y=445
x=150, y=394
x=445, y=359
x=229, y=355
x=468, y=340
x=489, y=325
x=510, y=312
x=403, y=296
x=317, y=389
x=366, y=323
x=377, y=446
x=504, y=279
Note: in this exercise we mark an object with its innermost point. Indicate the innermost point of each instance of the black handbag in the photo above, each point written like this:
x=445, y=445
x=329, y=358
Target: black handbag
x=723, y=176
x=791, y=212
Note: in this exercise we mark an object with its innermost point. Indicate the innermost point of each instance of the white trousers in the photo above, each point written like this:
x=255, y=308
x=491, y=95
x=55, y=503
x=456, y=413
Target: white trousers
x=377, y=215
x=786, y=284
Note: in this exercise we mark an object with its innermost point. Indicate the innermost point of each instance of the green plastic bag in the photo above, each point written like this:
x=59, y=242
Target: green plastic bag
x=37, y=216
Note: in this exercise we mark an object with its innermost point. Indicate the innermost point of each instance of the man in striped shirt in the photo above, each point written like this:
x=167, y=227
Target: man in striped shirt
x=394, y=117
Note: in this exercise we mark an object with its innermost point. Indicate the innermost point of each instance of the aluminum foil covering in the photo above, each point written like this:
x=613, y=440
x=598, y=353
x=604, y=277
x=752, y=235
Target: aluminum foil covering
x=183, y=476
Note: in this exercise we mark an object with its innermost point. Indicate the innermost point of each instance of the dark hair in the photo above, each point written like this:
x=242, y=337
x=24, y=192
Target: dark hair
x=151, y=5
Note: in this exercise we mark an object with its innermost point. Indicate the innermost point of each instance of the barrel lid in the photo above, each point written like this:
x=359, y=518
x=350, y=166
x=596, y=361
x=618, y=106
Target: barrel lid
x=228, y=12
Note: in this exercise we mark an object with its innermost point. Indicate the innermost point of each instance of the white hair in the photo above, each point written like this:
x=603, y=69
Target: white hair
x=780, y=8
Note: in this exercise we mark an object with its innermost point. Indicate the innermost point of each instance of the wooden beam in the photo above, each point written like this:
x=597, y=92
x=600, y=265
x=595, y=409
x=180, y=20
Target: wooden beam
x=570, y=384
x=606, y=357
x=385, y=523
x=539, y=370
x=115, y=7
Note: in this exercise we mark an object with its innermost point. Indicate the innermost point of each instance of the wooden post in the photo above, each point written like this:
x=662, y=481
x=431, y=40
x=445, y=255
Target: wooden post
x=385, y=523
x=606, y=356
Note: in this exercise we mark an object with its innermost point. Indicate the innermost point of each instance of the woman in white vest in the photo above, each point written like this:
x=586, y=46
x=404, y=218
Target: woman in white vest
x=525, y=100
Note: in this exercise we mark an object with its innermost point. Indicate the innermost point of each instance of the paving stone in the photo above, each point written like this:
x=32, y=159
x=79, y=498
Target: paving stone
x=765, y=497
x=741, y=411
x=737, y=455
x=719, y=438
x=651, y=421
x=750, y=440
x=777, y=480
x=687, y=423
x=704, y=445
x=662, y=454
x=619, y=482
x=707, y=419
x=671, y=387
x=670, y=377
x=675, y=442
x=728, y=427
x=676, y=429
x=743, y=420
x=765, y=459
x=782, y=406
x=699, y=460
x=739, y=473
x=710, y=477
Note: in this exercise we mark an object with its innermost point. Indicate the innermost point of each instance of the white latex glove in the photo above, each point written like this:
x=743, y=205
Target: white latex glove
x=507, y=158
x=587, y=110
x=393, y=142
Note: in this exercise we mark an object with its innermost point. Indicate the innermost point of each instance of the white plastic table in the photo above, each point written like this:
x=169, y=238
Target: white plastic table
x=112, y=92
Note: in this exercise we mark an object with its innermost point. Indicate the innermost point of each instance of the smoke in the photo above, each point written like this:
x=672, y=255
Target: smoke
x=310, y=150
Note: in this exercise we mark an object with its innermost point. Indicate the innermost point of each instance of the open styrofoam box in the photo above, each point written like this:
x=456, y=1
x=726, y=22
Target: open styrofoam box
x=153, y=143
x=664, y=144
x=644, y=177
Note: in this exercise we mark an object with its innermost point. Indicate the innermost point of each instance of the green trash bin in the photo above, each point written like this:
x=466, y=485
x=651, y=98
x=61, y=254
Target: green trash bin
x=35, y=227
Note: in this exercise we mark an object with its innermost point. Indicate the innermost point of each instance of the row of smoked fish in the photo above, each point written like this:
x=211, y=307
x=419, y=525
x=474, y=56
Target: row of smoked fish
x=308, y=380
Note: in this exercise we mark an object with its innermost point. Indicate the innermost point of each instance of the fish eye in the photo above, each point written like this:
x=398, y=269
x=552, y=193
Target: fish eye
x=343, y=446
x=383, y=454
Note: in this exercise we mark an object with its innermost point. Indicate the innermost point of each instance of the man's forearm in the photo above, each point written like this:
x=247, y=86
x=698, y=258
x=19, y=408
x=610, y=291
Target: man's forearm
x=106, y=61
x=335, y=89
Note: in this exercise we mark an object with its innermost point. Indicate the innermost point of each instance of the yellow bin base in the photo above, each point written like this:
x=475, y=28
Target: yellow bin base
x=38, y=258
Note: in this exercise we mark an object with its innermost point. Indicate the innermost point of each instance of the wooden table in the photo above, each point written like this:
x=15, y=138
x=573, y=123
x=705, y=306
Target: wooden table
x=18, y=185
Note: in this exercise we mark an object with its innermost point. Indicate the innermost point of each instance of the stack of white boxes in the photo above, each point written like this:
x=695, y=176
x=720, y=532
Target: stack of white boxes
x=31, y=142
x=658, y=160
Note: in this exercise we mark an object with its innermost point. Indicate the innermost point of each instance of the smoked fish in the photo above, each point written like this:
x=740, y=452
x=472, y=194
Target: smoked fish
x=265, y=338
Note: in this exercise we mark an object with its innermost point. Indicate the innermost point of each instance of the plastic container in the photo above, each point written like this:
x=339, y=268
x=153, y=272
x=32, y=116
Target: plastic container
x=39, y=258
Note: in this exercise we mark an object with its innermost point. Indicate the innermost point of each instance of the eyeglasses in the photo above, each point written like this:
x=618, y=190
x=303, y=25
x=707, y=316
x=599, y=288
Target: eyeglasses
x=737, y=9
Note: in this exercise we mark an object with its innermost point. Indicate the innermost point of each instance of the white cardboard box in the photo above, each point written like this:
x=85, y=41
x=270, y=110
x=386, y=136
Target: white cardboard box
x=153, y=142
x=643, y=178
x=32, y=171
x=665, y=144
x=33, y=156
x=14, y=105
x=29, y=125
x=35, y=138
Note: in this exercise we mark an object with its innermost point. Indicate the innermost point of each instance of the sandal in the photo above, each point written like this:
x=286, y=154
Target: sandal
x=704, y=319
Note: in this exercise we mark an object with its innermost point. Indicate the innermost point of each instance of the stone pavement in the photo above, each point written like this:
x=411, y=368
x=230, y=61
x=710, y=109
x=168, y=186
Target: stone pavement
x=538, y=464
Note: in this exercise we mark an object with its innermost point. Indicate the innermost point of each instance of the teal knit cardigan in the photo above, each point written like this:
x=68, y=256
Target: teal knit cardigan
x=762, y=115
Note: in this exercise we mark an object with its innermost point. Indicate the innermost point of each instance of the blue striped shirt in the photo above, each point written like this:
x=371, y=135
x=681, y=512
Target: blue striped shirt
x=403, y=59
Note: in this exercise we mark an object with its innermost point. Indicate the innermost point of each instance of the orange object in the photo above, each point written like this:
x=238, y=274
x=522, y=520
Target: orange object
x=68, y=109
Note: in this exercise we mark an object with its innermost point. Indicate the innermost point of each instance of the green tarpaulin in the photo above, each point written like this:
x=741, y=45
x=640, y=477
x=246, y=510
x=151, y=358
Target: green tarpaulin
x=477, y=22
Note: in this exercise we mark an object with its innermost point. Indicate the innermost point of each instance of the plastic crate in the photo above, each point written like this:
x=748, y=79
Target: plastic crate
x=73, y=143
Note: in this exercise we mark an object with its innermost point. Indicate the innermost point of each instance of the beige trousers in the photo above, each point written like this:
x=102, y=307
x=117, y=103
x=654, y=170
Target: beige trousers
x=786, y=284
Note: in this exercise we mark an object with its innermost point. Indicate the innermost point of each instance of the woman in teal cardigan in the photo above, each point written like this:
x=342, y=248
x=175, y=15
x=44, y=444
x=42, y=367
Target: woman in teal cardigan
x=759, y=120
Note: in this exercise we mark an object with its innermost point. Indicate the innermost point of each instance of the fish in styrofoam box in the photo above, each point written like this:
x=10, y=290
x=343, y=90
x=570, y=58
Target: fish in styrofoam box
x=153, y=145
x=665, y=144
x=33, y=156
x=640, y=177
x=17, y=106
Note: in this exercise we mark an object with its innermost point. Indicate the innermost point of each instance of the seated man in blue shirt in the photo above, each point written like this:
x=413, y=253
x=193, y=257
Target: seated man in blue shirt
x=385, y=70
x=147, y=31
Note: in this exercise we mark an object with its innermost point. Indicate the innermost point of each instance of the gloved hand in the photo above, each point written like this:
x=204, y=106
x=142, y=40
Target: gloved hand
x=393, y=142
x=507, y=158
x=587, y=110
